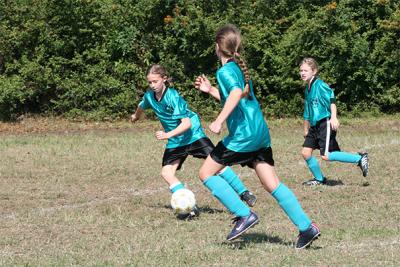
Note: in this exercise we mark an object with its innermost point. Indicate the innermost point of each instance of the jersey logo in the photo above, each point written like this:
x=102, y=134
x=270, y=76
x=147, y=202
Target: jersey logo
x=314, y=102
x=169, y=108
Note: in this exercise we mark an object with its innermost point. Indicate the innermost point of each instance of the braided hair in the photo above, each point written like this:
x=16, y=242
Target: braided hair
x=229, y=41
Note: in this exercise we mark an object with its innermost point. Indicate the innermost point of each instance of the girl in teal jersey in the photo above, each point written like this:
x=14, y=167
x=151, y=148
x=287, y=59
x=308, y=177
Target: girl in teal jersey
x=321, y=124
x=248, y=142
x=182, y=129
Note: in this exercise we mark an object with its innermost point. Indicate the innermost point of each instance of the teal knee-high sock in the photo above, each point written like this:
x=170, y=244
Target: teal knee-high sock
x=344, y=157
x=226, y=195
x=233, y=180
x=289, y=203
x=313, y=165
x=176, y=187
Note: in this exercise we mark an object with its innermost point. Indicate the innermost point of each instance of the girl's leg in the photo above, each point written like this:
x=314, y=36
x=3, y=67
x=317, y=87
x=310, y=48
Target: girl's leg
x=168, y=173
x=361, y=159
x=312, y=164
x=283, y=195
x=221, y=189
x=233, y=180
x=210, y=167
x=245, y=218
x=344, y=157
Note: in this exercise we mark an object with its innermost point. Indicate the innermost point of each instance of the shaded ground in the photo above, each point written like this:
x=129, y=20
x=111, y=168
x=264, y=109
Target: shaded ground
x=41, y=125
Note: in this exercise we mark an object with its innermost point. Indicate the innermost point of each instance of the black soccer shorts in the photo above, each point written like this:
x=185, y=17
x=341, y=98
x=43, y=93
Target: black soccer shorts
x=322, y=137
x=198, y=149
x=227, y=157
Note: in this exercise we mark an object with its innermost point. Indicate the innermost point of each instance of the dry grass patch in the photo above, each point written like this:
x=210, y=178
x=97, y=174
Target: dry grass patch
x=90, y=194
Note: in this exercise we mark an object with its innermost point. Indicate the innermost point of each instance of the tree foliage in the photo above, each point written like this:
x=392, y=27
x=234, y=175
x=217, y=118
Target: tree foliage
x=88, y=58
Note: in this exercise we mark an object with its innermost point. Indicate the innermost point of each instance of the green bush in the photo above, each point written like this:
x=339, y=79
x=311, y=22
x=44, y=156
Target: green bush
x=88, y=58
x=13, y=97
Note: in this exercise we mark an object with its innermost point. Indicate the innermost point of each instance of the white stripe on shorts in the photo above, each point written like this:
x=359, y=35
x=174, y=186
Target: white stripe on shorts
x=328, y=136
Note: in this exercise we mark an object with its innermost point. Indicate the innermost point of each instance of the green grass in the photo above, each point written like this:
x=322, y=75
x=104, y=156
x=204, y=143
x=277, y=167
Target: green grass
x=86, y=197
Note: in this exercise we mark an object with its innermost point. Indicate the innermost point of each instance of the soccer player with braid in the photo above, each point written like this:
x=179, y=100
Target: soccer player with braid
x=321, y=124
x=248, y=142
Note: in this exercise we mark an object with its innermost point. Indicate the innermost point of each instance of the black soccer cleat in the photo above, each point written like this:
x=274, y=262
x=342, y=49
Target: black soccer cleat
x=364, y=163
x=242, y=224
x=249, y=198
x=308, y=236
x=193, y=214
x=315, y=182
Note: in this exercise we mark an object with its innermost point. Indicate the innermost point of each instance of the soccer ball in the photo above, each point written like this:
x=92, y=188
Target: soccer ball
x=183, y=201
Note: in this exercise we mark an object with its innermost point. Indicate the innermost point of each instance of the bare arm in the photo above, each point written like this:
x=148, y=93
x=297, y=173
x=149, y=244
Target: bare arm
x=136, y=116
x=214, y=92
x=203, y=84
x=334, y=120
x=231, y=102
x=182, y=127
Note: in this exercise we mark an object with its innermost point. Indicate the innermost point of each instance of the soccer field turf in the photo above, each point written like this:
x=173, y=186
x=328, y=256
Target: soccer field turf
x=91, y=194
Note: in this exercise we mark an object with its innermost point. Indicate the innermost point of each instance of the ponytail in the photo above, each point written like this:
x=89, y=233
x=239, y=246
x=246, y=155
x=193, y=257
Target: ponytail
x=229, y=41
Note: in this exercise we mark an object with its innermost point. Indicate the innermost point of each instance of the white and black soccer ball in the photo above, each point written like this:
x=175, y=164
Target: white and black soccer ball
x=183, y=201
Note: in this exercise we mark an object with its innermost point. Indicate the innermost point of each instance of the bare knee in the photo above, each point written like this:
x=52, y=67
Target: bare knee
x=209, y=168
x=325, y=158
x=306, y=153
x=267, y=175
x=167, y=172
x=203, y=174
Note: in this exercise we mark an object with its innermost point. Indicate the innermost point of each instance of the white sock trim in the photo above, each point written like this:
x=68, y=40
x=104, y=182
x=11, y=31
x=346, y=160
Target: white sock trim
x=173, y=185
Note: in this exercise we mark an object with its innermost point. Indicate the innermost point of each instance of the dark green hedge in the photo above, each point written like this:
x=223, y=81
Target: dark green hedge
x=87, y=58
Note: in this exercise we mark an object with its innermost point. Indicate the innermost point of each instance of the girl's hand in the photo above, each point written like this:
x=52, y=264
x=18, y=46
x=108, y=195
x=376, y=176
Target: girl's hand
x=134, y=118
x=334, y=124
x=305, y=133
x=215, y=127
x=203, y=84
x=161, y=135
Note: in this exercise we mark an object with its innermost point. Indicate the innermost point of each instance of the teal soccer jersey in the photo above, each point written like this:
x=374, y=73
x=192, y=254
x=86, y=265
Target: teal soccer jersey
x=170, y=110
x=318, y=100
x=248, y=130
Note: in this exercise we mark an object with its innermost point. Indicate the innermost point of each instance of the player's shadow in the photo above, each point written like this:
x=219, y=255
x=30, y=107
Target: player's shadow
x=204, y=209
x=207, y=209
x=330, y=182
x=257, y=238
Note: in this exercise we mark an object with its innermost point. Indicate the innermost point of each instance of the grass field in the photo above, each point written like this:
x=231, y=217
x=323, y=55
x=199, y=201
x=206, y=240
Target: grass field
x=87, y=194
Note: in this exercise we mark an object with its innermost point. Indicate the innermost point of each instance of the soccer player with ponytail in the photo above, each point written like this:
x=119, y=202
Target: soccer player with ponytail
x=248, y=142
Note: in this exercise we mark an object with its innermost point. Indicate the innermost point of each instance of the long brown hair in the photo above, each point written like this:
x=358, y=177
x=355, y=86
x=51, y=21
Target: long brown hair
x=229, y=41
